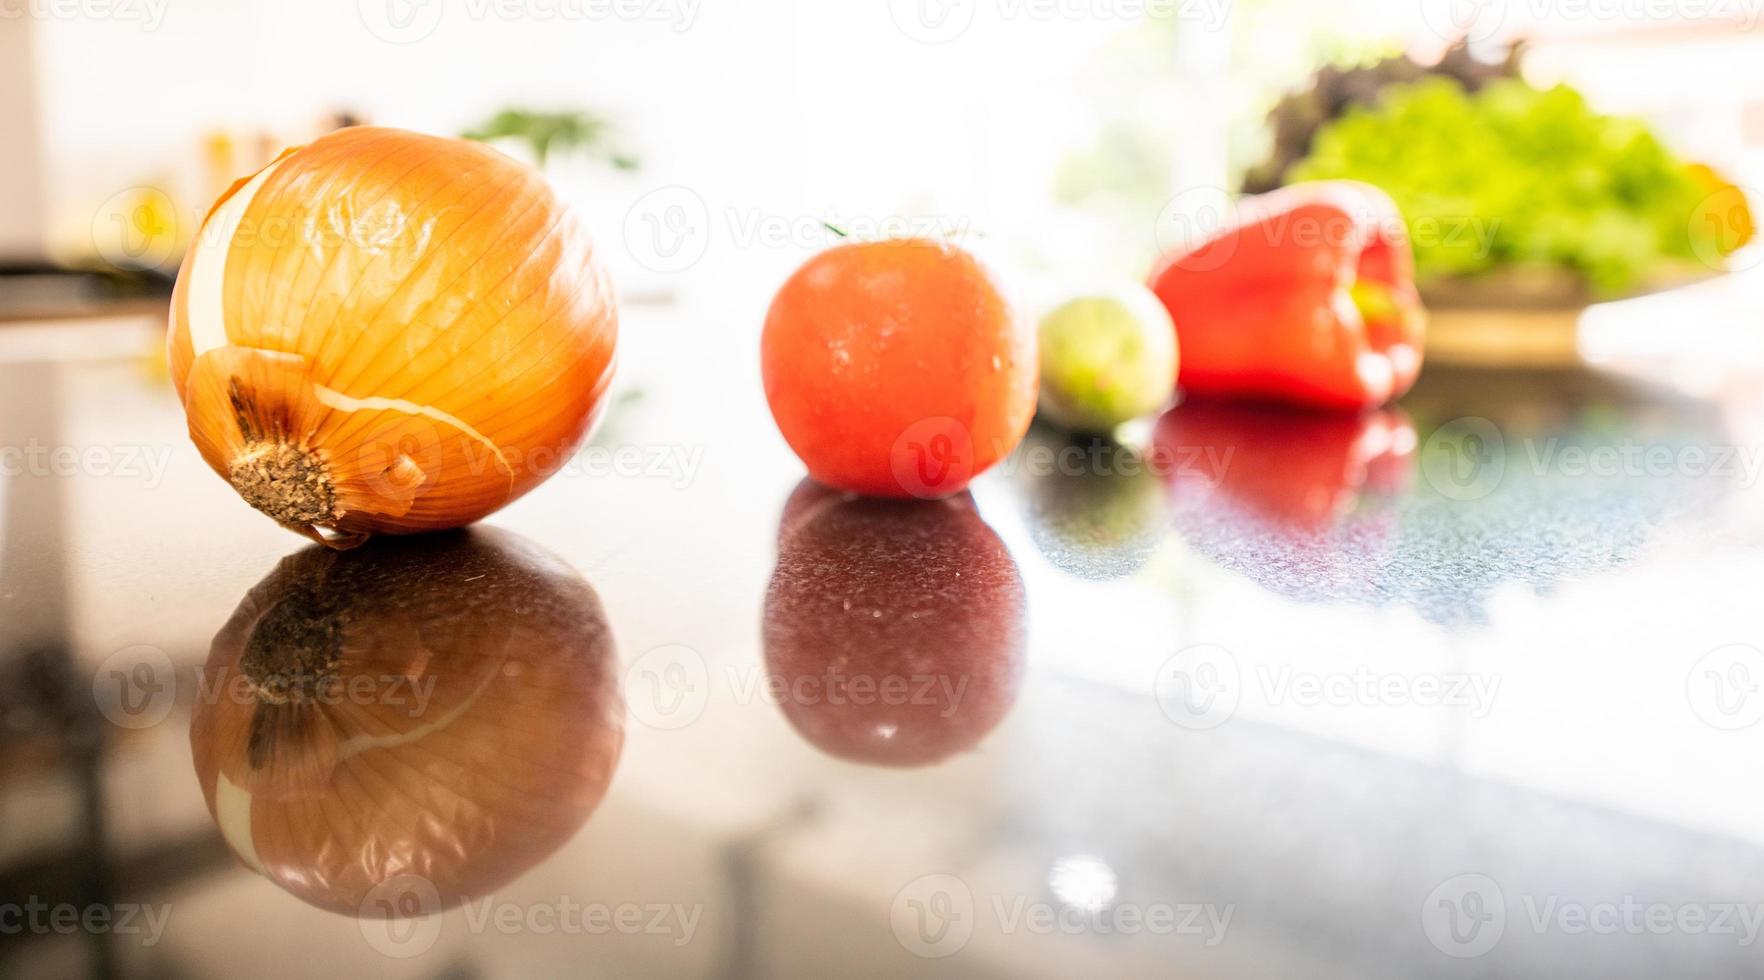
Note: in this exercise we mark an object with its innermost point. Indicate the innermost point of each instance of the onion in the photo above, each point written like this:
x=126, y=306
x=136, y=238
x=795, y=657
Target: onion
x=445, y=707
x=390, y=332
x=893, y=630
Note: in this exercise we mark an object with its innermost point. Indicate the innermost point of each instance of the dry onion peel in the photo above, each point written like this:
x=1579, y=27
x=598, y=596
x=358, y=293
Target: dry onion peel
x=445, y=707
x=388, y=332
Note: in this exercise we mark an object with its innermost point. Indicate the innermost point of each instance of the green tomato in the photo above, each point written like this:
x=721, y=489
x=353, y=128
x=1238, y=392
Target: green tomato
x=1106, y=358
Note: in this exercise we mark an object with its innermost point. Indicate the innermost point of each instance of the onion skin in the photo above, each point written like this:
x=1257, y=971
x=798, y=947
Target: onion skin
x=386, y=332
x=920, y=595
x=454, y=715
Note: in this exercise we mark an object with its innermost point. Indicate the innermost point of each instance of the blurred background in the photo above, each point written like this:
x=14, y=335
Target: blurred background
x=1080, y=136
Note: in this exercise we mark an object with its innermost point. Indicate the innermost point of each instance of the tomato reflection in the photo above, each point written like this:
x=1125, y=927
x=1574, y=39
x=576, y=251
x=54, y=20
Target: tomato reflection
x=893, y=629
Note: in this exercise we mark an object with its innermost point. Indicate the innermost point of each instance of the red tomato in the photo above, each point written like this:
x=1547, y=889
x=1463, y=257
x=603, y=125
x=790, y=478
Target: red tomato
x=897, y=369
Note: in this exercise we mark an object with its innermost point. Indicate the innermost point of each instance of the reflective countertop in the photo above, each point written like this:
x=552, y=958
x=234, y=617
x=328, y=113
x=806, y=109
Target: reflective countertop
x=1464, y=688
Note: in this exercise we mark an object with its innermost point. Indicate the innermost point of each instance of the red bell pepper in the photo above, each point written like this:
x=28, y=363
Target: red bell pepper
x=1308, y=298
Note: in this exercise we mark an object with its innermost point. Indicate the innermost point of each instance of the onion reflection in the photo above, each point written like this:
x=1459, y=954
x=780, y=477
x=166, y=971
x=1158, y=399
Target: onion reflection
x=441, y=710
x=893, y=630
